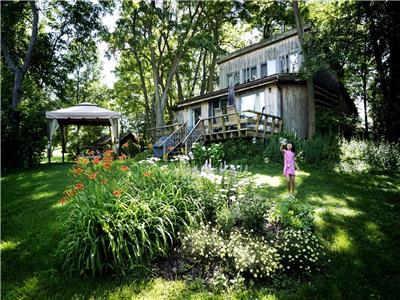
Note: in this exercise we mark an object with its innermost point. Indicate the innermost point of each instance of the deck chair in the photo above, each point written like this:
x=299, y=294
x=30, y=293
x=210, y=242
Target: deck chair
x=217, y=125
x=233, y=120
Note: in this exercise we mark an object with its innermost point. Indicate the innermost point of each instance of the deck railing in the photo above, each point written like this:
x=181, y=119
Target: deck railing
x=239, y=121
x=193, y=136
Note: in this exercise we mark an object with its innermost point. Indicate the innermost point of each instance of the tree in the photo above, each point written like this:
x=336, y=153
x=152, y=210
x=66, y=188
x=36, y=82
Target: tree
x=19, y=70
x=310, y=82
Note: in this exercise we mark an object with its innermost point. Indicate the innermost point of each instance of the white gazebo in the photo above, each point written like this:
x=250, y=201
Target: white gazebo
x=81, y=114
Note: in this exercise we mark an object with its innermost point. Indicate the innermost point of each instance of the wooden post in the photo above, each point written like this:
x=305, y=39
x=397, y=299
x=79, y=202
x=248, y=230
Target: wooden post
x=257, y=123
x=223, y=126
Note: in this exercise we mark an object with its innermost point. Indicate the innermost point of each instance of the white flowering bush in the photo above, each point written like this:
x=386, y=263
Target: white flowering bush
x=300, y=251
x=237, y=253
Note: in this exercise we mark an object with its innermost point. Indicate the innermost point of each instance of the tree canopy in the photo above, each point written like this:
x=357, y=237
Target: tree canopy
x=167, y=52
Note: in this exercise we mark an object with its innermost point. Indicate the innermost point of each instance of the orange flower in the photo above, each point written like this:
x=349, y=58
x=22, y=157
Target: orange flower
x=93, y=176
x=146, y=174
x=83, y=161
x=107, y=165
x=96, y=160
x=79, y=186
x=90, y=152
x=117, y=193
x=122, y=157
x=125, y=145
x=103, y=181
x=124, y=168
x=63, y=200
x=70, y=193
x=77, y=171
x=149, y=146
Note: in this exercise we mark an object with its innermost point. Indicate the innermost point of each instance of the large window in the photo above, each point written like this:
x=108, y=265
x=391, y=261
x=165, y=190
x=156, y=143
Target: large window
x=271, y=67
x=253, y=101
x=284, y=64
x=250, y=74
x=233, y=78
x=264, y=70
x=294, y=62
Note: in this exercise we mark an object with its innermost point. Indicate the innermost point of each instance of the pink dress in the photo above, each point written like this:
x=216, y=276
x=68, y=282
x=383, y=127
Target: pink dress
x=288, y=168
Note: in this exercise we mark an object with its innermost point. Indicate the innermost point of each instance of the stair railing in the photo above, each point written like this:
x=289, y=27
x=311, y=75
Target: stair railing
x=174, y=139
x=193, y=136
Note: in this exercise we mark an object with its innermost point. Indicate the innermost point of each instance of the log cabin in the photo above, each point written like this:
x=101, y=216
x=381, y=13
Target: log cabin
x=260, y=93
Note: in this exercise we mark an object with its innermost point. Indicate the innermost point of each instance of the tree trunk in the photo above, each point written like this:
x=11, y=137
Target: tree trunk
x=364, y=80
x=196, y=75
x=310, y=81
x=204, y=77
x=210, y=84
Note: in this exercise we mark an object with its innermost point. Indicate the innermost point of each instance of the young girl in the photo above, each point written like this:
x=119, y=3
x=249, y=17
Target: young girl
x=289, y=166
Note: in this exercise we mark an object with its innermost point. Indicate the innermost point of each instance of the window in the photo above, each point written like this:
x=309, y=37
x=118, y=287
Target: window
x=253, y=101
x=271, y=67
x=233, y=78
x=294, y=62
x=250, y=74
x=284, y=64
x=264, y=70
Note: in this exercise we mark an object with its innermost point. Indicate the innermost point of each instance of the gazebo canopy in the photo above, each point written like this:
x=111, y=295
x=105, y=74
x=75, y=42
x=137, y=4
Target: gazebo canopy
x=82, y=114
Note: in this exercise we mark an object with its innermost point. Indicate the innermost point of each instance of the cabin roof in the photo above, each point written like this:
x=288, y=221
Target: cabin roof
x=240, y=87
x=262, y=44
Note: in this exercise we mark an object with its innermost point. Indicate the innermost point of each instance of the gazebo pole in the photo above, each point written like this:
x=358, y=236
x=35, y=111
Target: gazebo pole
x=48, y=141
x=62, y=141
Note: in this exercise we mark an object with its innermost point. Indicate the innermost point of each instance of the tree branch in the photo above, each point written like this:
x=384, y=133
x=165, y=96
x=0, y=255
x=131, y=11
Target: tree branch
x=7, y=56
x=33, y=39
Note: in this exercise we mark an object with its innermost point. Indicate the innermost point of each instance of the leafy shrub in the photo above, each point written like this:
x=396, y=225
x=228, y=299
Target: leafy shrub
x=300, y=251
x=121, y=215
x=143, y=155
x=358, y=156
x=252, y=210
x=24, y=145
x=292, y=212
x=242, y=150
x=130, y=148
x=321, y=150
x=213, y=153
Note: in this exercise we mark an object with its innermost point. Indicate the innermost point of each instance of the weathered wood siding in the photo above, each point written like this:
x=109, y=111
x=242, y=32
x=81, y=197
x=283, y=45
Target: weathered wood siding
x=294, y=106
x=256, y=58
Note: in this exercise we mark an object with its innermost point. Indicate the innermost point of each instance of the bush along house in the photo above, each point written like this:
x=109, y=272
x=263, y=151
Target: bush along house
x=260, y=93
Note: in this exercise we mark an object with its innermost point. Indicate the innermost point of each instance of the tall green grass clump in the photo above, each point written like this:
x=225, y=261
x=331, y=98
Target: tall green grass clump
x=122, y=215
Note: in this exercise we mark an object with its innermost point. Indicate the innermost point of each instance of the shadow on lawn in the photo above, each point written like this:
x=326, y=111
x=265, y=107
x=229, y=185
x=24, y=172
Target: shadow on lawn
x=30, y=231
x=359, y=217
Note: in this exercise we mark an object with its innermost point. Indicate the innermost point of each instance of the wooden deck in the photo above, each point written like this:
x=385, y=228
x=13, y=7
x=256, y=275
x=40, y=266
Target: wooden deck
x=231, y=125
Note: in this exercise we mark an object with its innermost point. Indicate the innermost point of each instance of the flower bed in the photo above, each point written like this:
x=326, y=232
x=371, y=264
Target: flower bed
x=123, y=215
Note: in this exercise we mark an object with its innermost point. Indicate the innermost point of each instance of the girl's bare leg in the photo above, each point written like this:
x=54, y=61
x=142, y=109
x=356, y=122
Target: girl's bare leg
x=292, y=180
x=288, y=183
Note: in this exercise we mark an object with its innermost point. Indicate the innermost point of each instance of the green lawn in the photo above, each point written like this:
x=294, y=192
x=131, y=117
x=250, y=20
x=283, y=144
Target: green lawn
x=358, y=216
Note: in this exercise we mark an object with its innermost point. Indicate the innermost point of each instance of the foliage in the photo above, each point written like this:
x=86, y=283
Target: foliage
x=23, y=146
x=82, y=137
x=212, y=153
x=358, y=156
x=242, y=150
x=292, y=212
x=120, y=216
x=130, y=148
x=321, y=150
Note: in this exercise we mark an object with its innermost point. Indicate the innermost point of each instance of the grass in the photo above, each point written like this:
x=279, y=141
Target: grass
x=357, y=216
